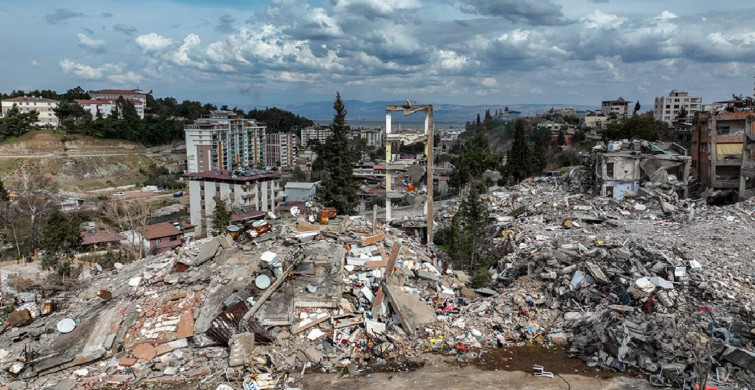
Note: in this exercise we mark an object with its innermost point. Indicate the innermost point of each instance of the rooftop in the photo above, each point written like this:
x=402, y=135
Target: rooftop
x=299, y=185
x=30, y=99
x=230, y=176
x=165, y=229
x=118, y=91
x=100, y=236
x=99, y=101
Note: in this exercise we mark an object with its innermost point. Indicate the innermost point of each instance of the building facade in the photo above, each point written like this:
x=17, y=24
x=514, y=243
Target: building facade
x=45, y=108
x=317, y=132
x=224, y=141
x=300, y=192
x=242, y=191
x=667, y=108
x=136, y=96
x=373, y=137
x=618, y=107
x=103, y=107
x=718, y=149
x=279, y=149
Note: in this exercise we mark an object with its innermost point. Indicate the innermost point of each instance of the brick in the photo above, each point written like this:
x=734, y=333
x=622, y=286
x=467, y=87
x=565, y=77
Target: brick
x=200, y=372
x=372, y=239
x=144, y=352
x=185, y=326
x=127, y=362
x=162, y=349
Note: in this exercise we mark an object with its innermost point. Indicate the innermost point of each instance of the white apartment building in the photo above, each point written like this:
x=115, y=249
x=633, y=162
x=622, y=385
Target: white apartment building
x=104, y=107
x=318, y=132
x=618, y=107
x=279, y=149
x=224, y=141
x=259, y=190
x=667, y=107
x=373, y=136
x=42, y=106
x=136, y=96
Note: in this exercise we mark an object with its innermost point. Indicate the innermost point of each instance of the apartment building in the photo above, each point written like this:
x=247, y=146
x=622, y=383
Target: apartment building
x=279, y=149
x=667, y=108
x=42, y=106
x=317, y=132
x=374, y=136
x=618, y=107
x=244, y=190
x=718, y=149
x=224, y=141
x=103, y=107
x=136, y=96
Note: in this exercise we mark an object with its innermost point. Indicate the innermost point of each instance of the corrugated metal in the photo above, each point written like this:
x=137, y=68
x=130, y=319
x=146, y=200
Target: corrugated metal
x=226, y=324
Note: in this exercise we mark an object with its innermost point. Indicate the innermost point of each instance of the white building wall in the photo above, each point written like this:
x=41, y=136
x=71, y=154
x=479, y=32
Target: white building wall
x=195, y=205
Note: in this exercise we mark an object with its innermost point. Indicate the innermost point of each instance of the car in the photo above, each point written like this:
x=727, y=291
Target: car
x=119, y=193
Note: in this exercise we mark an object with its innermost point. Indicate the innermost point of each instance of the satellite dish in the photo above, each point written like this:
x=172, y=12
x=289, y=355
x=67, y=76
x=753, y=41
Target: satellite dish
x=66, y=325
x=295, y=211
x=262, y=282
x=271, y=215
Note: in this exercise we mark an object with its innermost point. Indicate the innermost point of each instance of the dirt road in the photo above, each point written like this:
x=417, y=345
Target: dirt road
x=439, y=375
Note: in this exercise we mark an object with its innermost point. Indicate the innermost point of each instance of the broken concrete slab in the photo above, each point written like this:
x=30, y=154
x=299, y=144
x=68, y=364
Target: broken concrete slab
x=411, y=310
x=309, y=322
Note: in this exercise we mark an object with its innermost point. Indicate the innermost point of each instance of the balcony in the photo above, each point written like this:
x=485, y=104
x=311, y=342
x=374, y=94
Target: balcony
x=729, y=162
x=748, y=169
x=719, y=183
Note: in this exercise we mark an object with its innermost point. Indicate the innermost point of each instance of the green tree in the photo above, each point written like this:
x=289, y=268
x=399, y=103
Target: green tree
x=221, y=217
x=298, y=174
x=475, y=158
x=15, y=123
x=469, y=229
x=518, y=162
x=69, y=114
x=561, y=140
x=61, y=238
x=640, y=127
x=338, y=156
x=637, y=107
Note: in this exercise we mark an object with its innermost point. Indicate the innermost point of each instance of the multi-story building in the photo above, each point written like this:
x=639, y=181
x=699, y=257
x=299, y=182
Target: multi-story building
x=45, y=108
x=618, y=107
x=373, y=136
x=136, y=96
x=717, y=149
x=279, y=149
x=667, y=107
x=103, y=107
x=224, y=141
x=316, y=132
x=242, y=190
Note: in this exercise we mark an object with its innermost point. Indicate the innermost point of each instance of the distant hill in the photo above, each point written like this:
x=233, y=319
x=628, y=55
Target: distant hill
x=360, y=111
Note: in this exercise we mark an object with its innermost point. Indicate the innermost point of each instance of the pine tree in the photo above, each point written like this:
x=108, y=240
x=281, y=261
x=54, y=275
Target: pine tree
x=518, y=163
x=637, y=107
x=561, y=140
x=339, y=157
x=221, y=216
x=478, y=123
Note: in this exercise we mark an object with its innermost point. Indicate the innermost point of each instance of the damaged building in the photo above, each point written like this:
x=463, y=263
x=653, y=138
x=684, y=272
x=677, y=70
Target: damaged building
x=621, y=168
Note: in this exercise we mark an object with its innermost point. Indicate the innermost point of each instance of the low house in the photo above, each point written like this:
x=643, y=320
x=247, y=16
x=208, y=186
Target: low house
x=93, y=240
x=162, y=237
x=300, y=192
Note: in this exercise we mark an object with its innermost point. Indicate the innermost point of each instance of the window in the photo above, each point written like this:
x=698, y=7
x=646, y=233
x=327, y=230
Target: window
x=609, y=170
x=157, y=240
x=609, y=191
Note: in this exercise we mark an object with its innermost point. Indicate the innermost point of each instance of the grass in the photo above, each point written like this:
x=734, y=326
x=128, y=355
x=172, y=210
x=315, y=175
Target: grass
x=7, y=164
x=29, y=135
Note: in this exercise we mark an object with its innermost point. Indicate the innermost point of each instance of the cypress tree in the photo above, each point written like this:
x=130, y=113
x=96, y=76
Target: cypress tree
x=339, y=157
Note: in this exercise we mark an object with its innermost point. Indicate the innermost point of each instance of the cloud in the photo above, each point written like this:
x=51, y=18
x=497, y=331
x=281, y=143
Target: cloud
x=34, y=63
x=666, y=15
x=106, y=15
x=225, y=24
x=86, y=72
x=153, y=42
x=61, y=15
x=374, y=9
x=126, y=78
x=609, y=64
x=598, y=1
x=128, y=30
x=96, y=45
x=600, y=19
x=535, y=12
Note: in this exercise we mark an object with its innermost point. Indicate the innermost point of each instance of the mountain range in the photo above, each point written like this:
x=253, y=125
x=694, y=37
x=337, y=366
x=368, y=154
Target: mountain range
x=370, y=112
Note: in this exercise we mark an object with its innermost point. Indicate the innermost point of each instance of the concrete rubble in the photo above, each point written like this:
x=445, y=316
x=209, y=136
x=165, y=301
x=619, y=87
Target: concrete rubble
x=641, y=284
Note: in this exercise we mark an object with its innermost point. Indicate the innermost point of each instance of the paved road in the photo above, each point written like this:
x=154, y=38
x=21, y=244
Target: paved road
x=73, y=155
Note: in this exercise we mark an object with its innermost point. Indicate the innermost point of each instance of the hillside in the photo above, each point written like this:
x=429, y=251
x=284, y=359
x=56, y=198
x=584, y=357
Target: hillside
x=42, y=142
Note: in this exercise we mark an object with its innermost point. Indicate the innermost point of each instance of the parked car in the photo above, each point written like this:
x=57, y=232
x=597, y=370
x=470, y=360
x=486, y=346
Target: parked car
x=119, y=193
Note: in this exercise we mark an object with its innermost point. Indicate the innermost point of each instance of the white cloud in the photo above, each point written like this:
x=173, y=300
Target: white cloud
x=666, y=15
x=181, y=56
x=126, y=78
x=449, y=59
x=489, y=82
x=609, y=65
x=90, y=43
x=34, y=63
x=86, y=72
x=153, y=42
x=600, y=19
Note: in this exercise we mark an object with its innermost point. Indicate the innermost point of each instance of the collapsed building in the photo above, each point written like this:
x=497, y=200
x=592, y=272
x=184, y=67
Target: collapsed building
x=620, y=169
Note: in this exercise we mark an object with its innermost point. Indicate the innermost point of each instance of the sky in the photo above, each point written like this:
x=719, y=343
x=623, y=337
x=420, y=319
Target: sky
x=255, y=53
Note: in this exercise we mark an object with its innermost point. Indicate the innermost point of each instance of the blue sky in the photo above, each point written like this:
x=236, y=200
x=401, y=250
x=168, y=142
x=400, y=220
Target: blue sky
x=264, y=53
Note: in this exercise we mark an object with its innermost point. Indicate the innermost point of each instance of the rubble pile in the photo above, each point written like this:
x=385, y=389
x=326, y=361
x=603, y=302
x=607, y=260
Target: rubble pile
x=651, y=283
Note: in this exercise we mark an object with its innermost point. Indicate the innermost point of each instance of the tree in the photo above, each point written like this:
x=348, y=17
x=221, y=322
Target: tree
x=640, y=127
x=221, y=217
x=15, y=123
x=474, y=160
x=61, y=237
x=69, y=113
x=637, y=107
x=518, y=161
x=469, y=229
x=682, y=113
x=338, y=156
x=129, y=216
x=298, y=174
x=477, y=122
x=561, y=140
